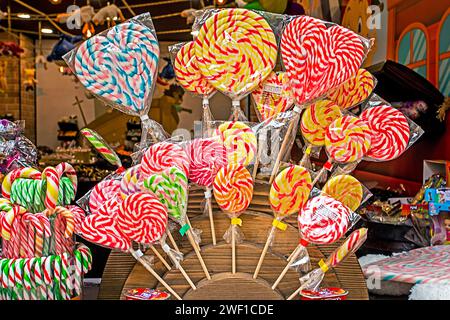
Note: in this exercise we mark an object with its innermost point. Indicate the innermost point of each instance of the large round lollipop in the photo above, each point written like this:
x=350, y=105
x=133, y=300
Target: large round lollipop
x=206, y=157
x=288, y=194
x=322, y=220
x=233, y=191
x=164, y=155
x=236, y=50
x=345, y=189
x=102, y=192
x=390, y=132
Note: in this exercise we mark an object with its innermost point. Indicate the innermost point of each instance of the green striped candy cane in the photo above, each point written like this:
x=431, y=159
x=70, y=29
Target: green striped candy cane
x=101, y=146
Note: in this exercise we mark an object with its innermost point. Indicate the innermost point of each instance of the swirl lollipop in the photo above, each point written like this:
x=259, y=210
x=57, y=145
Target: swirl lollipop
x=288, y=194
x=233, y=191
x=190, y=78
x=236, y=50
x=103, y=191
x=130, y=181
x=346, y=189
x=239, y=142
x=206, y=157
x=164, y=155
x=354, y=91
x=120, y=66
x=314, y=123
x=322, y=220
x=313, y=279
x=390, y=132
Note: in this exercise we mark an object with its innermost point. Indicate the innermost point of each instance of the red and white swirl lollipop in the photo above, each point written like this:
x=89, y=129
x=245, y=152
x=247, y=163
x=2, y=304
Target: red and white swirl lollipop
x=143, y=218
x=102, y=192
x=390, y=132
x=164, y=155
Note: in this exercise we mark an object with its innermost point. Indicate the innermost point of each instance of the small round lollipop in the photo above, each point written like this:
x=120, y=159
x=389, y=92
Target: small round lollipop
x=233, y=191
x=143, y=218
x=353, y=91
x=348, y=139
x=322, y=220
x=164, y=155
x=345, y=189
x=102, y=192
x=390, y=132
x=272, y=96
x=289, y=192
x=206, y=157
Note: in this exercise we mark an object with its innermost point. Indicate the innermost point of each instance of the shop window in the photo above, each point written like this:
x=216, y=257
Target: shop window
x=412, y=51
x=444, y=56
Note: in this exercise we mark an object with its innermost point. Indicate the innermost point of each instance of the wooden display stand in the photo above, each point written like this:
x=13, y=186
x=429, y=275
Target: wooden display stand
x=123, y=273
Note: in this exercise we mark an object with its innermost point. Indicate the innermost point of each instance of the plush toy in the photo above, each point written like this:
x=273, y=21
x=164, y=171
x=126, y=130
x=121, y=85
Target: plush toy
x=40, y=60
x=30, y=80
x=108, y=13
x=64, y=45
x=10, y=49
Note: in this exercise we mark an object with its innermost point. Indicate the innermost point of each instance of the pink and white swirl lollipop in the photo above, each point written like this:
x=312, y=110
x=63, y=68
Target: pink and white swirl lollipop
x=164, y=155
x=102, y=192
x=390, y=132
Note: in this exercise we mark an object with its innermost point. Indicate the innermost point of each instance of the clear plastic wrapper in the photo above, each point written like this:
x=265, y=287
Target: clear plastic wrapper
x=288, y=193
x=392, y=132
x=313, y=279
x=120, y=67
x=233, y=66
x=188, y=75
x=322, y=220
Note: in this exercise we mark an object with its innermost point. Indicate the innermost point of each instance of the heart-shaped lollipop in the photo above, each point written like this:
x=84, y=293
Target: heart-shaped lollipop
x=120, y=66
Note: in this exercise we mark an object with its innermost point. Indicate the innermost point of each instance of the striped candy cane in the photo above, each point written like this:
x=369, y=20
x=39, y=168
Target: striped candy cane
x=51, y=176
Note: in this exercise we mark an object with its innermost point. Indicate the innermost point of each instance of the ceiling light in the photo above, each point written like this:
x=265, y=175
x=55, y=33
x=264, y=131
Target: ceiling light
x=46, y=30
x=24, y=15
x=55, y=1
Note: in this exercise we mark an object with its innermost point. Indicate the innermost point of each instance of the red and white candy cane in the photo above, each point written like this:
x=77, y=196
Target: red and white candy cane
x=8, y=220
x=47, y=270
x=68, y=216
x=51, y=177
x=66, y=169
x=36, y=240
x=29, y=173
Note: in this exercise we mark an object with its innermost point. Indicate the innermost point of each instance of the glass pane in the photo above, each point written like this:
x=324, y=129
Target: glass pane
x=444, y=77
x=444, y=37
x=404, y=49
x=419, y=45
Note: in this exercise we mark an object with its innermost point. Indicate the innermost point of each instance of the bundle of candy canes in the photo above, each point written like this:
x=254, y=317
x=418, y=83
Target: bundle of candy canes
x=40, y=258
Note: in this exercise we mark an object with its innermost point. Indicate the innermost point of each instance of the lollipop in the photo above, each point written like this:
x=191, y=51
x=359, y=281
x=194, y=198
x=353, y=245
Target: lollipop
x=323, y=220
x=272, y=96
x=239, y=142
x=345, y=189
x=348, y=139
x=288, y=194
x=233, y=191
x=313, y=279
x=130, y=181
x=102, y=192
x=206, y=157
x=236, y=50
x=390, y=132
x=354, y=91
x=162, y=156
x=187, y=71
x=143, y=218
x=101, y=146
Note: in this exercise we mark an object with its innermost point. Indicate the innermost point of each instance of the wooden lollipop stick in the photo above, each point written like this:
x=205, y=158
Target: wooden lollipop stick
x=285, y=270
x=172, y=241
x=236, y=106
x=264, y=252
x=255, y=167
x=190, y=229
x=292, y=253
x=211, y=220
x=161, y=258
x=233, y=249
x=197, y=252
x=183, y=272
x=283, y=147
x=138, y=255
x=294, y=294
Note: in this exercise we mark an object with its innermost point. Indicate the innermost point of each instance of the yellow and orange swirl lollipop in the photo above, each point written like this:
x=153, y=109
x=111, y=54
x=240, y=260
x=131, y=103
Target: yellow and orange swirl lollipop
x=272, y=96
x=236, y=50
x=354, y=91
x=346, y=189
